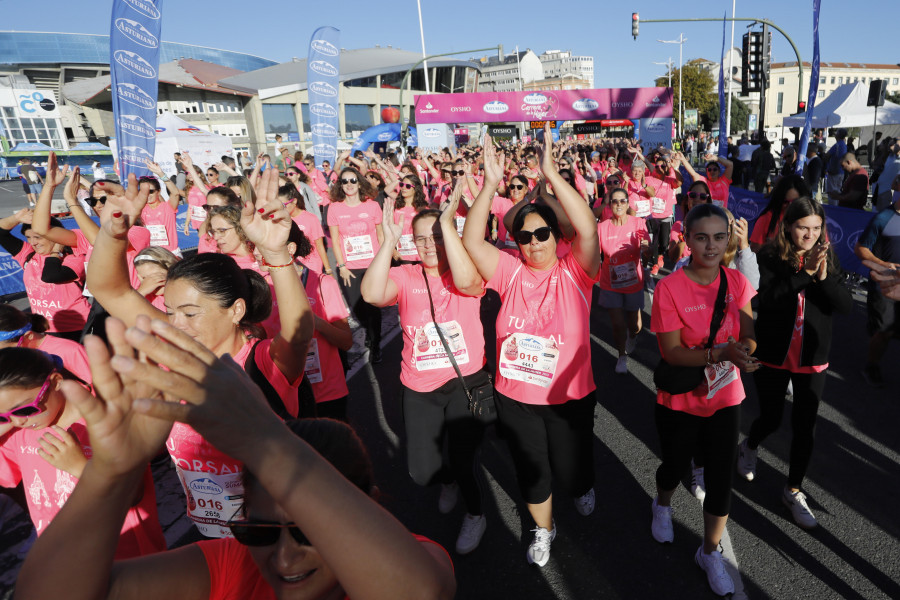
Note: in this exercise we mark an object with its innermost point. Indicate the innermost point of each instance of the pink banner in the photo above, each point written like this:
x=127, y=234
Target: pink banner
x=564, y=105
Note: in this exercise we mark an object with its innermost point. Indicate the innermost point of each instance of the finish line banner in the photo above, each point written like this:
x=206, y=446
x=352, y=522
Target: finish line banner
x=562, y=105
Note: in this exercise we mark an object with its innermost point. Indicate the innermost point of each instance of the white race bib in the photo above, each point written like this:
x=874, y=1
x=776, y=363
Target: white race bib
x=158, y=235
x=460, y=223
x=198, y=213
x=212, y=500
x=529, y=358
x=623, y=275
x=313, y=369
x=358, y=247
x=428, y=351
x=85, y=291
x=659, y=205
x=642, y=207
x=719, y=375
x=406, y=245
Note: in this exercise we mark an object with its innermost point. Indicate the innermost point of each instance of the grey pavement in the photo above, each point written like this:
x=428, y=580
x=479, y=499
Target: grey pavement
x=852, y=484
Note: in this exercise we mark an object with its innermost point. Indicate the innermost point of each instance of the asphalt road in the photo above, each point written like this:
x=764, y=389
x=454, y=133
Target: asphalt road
x=852, y=484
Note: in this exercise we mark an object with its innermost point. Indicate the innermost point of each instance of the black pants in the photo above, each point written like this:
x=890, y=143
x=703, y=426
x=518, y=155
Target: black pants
x=550, y=442
x=679, y=433
x=771, y=386
x=369, y=316
x=430, y=416
x=659, y=237
x=333, y=409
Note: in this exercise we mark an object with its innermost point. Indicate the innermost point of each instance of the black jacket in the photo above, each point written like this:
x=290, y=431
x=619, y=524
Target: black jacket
x=779, y=286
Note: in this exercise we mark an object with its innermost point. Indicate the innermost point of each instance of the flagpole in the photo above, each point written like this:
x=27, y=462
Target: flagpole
x=425, y=62
x=730, y=71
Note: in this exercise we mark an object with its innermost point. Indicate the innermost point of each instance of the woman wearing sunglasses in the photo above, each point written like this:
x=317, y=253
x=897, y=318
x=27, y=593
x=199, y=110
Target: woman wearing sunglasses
x=354, y=222
x=717, y=180
x=409, y=198
x=435, y=405
x=516, y=193
x=309, y=197
x=664, y=180
x=196, y=186
x=45, y=451
x=623, y=238
x=698, y=193
x=309, y=224
x=545, y=387
x=308, y=527
x=220, y=305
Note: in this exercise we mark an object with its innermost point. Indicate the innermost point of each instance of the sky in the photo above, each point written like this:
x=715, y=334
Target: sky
x=591, y=28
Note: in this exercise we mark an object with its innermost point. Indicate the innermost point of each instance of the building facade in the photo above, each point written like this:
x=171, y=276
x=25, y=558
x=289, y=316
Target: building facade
x=560, y=63
x=509, y=72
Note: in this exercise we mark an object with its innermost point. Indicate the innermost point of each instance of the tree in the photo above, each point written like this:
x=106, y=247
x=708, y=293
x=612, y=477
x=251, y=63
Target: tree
x=698, y=86
x=893, y=97
x=740, y=114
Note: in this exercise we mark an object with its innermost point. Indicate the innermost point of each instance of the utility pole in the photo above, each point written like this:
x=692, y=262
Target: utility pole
x=680, y=41
x=730, y=72
x=669, y=66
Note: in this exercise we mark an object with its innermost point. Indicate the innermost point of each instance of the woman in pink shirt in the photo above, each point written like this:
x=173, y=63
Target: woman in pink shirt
x=545, y=387
x=622, y=240
x=409, y=198
x=294, y=202
x=664, y=180
x=708, y=416
x=719, y=182
x=195, y=189
x=158, y=215
x=354, y=222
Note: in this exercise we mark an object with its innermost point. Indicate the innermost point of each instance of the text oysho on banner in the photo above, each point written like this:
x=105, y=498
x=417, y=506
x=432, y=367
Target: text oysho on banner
x=322, y=69
x=562, y=105
x=134, y=42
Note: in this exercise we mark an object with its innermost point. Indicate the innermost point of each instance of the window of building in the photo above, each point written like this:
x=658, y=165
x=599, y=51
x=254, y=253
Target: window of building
x=840, y=80
x=821, y=93
x=279, y=118
x=368, y=82
x=780, y=82
x=832, y=81
x=358, y=117
x=780, y=104
x=821, y=80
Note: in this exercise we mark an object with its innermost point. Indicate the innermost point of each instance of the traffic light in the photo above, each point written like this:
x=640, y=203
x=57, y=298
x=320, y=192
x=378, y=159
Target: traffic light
x=752, y=63
x=801, y=106
x=635, y=21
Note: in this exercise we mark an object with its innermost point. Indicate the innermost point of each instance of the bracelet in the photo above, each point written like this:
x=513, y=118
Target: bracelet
x=268, y=266
x=341, y=266
x=709, y=357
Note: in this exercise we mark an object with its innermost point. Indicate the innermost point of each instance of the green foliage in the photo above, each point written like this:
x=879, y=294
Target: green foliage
x=698, y=86
x=893, y=97
x=740, y=114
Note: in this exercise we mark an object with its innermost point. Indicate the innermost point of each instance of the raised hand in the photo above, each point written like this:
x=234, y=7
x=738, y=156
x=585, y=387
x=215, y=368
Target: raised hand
x=186, y=161
x=493, y=162
x=73, y=185
x=547, y=164
x=155, y=168
x=741, y=230
x=448, y=212
x=55, y=176
x=392, y=231
x=123, y=205
x=267, y=224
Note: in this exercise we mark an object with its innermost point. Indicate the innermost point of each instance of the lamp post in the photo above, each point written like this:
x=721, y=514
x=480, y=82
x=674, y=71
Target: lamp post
x=422, y=35
x=680, y=41
x=669, y=66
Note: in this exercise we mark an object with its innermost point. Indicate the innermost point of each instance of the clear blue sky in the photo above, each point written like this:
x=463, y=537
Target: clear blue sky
x=598, y=29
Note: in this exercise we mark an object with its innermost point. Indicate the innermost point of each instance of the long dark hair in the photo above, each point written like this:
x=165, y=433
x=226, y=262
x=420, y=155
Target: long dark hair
x=777, y=199
x=366, y=190
x=783, y=246
x=419, y=200
x=29, y=368
x=13, y=319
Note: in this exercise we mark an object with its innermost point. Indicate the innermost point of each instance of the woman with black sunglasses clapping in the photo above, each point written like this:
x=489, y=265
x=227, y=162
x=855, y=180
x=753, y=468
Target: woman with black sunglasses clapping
x=545, y=387
x=308, y=527
x=409, y=198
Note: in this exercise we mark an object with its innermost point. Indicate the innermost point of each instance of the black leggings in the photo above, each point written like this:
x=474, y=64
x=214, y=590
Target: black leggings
x=771, y=386
x=369, y=316
x=679, y=433
x=428, y=417
x=550, y=441
x=659, y=236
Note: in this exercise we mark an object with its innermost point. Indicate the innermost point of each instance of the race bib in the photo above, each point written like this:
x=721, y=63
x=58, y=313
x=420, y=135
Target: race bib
x=624, y=275
x=85, y=291
x=158, y=235
x=529, y=358
x=406, y=245
x=313, y=369
x=198, y=213
x=212, y=500
x=428, y=351
x=719, y=203
x=719, y=375
x=642, y=208
x=659, y=205
x=358, y=247
x=460, y=223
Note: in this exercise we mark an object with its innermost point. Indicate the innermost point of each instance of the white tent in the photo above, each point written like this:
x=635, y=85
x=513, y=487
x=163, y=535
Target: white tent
x=846, y=107
x=177, y=135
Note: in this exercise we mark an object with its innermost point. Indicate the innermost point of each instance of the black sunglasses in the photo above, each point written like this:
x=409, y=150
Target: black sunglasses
x=459, y=172
x=542, y=234
x=92, y=202
x=350, y=180
x=698, y=195
x=516, y=186
x=264, y=533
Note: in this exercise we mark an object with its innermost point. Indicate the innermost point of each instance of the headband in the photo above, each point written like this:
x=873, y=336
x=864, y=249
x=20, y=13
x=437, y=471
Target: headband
x=8, y=335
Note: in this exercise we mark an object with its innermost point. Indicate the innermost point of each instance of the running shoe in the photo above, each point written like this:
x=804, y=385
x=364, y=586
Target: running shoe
x=714, y=565
x=796, y=501
x=698, y=483
x=470, y=533
x=539, y=550
x=449, y=496
x=661, y=527
x=746, y=461
x=622, y=365
x=585, y=504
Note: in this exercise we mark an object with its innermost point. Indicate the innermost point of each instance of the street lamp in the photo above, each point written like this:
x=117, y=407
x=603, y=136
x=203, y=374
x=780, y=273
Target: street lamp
x=680, y=41
x=668, y=65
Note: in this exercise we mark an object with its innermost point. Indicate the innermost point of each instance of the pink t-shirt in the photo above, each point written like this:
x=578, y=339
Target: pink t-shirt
x=62, y=304
x=356, y=231
x=681, y=304
x=196, y=201
x=638, y=198
x=425, y=366
x=206, y=243
x=47, y=489
x=138, y=239
x=621, y=247
x=323, y=362
x=312, y=229
x=406, y=247
x=760, y=231
x=543, y=335
x=72, y=354
x=718, y=189
x=160, y=220
x=664, y=197
x=499, y=207
x=677, y=235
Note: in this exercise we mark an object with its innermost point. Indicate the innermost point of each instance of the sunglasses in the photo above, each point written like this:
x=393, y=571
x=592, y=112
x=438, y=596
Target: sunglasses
x=542, y=234
x=516, y=186
x=290, y=173
x=619, y=201
x=212, y=174
x=352, y=180
x=612, y=182
x=92, y=202
x=263, y=533
x=407, y=186
x=459, y=172
x=698, y=195
x=29, y=410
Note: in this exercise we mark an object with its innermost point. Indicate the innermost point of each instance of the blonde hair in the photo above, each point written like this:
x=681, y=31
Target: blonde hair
x=156, y=255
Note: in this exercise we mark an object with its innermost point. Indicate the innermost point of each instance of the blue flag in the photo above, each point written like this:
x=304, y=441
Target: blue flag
x=322, y=69
x=134, y=72
x=723, y=134
x=813, y=89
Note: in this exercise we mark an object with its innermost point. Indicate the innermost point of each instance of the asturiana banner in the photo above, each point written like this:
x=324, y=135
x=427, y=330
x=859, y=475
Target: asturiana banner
x=565, y=105
x=134, y=71
x=322, y=70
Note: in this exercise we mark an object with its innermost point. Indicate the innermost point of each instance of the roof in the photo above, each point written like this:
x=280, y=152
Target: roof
x=846, y=107
x=189, y=73
x=509, y=59
x=837, y=65
x=354, y=64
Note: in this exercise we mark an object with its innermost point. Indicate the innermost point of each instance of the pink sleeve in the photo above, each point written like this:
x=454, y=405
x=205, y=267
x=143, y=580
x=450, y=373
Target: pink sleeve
x=378, y=213
x=332, y=301
x=10, y=474
x=400, y=277
x=332, y=218
x=82, y=246
x=664, y=314
x=585, y=280
x=23, y=254
x=316, y=231
x=761, y=228
x=643, y=234
x=746, y=291
x=76, y=263
x=506, y=266
x=286, y=390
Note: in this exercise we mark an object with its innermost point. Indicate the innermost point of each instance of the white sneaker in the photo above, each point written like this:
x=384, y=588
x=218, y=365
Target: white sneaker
x=622, y=365
x=585, y=504
x=698, y=483
x=539, y=550
x=714, y=565
x=796, y=501
x=661, y=527
x=470, y=533
x=630, y=344
x=449, y=496
x=746, y=461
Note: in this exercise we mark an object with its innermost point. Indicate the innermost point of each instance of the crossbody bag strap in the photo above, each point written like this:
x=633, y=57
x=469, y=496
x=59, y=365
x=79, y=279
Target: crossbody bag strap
x=719, y=309
x=443, y=340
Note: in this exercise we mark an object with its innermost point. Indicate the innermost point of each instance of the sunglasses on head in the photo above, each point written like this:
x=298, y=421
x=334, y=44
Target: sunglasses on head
x=349, y=180
x=542, y=234
x=405, y=185
x=698, y=195
x=32, y=409
x=263, y=533
x=516, y=186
